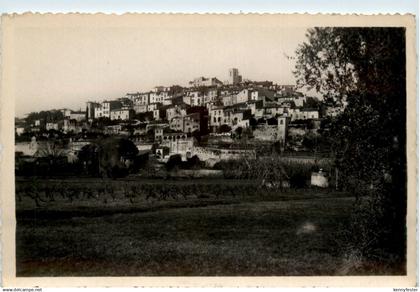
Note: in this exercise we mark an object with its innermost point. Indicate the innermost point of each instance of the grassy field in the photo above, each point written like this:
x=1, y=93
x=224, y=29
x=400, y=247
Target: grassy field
x=289, y=233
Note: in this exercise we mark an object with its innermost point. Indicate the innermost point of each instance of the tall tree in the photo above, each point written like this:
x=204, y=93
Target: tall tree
x=365, y=69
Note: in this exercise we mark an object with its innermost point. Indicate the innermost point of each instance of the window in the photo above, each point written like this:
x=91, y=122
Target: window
x=281, y=122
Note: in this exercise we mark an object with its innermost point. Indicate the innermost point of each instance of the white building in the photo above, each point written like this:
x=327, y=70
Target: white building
x=71, y=126
x=197, y=100
x=176, y=123
x=51, y=126
x=108, y=106
x=98, y=112
x=239, y=116
x=210, y=96
x=156, y=114
x=310, y=114
x=178, y=143
x=161, y=88
x=218, y=117
x=229, y=99
x=256, y=108
x=155, y=97
x=202, y=81
x=121, y=114
x=153, y=106
x=244, y=95
x=304, y=114
x=175, y=111
x=140, y=108
x=141, y=98
x=167, y=100
x=186, y=99
x=273, y=110
x=191, y=123
x=158, y=96
x=66, y=112
x=78, y=116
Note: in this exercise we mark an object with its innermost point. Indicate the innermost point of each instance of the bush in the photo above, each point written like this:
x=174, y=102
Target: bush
x=299, y=173
x=193, y=163
x=173, y=162
x=373, y=232
x=225, y=128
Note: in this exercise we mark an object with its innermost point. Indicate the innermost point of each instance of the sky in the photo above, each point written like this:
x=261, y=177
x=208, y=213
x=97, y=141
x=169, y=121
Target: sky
x=66, y=66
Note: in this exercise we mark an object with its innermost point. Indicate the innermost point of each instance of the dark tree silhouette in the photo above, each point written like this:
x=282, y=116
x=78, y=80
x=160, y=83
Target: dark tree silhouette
x=365, y=68
x=225, y=128
x=173, y=162
x=110, y=157
x=238, y=132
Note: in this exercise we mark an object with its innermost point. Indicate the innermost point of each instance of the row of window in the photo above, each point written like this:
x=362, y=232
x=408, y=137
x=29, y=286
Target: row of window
x=174, y=137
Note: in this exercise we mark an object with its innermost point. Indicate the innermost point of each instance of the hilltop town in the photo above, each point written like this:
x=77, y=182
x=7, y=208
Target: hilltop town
x=210, y=119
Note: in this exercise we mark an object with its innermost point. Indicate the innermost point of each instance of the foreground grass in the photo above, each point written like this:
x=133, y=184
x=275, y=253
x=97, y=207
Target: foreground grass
x=275, y=237
x=249, y=232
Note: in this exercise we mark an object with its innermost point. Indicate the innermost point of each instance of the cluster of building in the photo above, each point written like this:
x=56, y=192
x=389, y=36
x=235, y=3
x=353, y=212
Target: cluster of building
x=177, y=115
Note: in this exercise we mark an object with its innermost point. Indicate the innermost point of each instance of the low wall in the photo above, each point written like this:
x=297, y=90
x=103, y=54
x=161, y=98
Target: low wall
x=199, y=173
x=212, y=155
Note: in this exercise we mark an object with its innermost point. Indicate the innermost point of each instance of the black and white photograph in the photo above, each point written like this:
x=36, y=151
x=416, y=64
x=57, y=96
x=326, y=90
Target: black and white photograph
x=211, y=146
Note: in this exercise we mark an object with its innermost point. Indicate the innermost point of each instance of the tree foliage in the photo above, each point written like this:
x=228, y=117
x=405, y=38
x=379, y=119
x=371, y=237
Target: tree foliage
x=370, y=134
x=174, y=162
x=324, y=64
x=225, y=128
x=365, y=69
x=110, y=157
x=45, y=116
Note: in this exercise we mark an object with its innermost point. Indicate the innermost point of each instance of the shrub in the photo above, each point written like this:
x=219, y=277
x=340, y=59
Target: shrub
x=225, y=128
x=193, y=163
x=173, y=161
